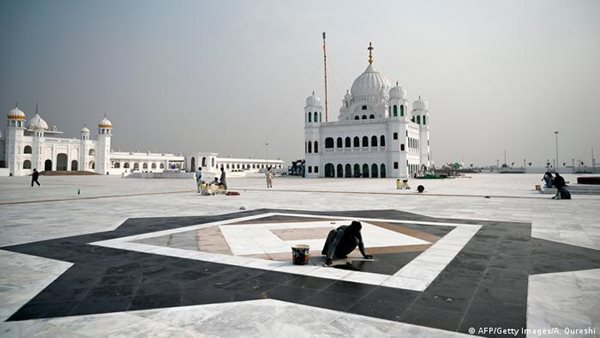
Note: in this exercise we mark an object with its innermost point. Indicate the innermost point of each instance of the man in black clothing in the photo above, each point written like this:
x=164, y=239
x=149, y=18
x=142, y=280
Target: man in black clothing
x=559, y=183
x=342, y=241
x=34, y=177
x=223, y=182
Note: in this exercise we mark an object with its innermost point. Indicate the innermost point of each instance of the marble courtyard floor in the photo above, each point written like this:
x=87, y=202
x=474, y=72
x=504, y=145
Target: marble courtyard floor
x=486, y=255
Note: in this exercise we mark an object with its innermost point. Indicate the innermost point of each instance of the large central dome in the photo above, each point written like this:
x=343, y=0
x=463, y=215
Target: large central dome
x=369, y=83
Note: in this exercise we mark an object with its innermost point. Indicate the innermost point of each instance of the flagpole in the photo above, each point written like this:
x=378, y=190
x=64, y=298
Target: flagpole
x=325, y=67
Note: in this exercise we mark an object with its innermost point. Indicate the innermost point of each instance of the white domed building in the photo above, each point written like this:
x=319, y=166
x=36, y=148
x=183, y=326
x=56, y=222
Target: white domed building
x=31, y=144
x=376, y=134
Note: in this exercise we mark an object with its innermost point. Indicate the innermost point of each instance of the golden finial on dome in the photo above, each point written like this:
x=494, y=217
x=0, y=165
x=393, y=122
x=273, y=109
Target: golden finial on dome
x=370, y=53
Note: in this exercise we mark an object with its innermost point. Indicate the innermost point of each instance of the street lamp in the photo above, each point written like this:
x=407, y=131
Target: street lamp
x=556, y=136
x=267, y=155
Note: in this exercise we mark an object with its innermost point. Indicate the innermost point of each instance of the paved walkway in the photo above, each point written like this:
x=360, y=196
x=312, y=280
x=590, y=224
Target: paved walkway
x=546, y=250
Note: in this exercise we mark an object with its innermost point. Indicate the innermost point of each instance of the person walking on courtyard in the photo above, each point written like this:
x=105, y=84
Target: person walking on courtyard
x=269, y=175
x=222, y=179
x=198, y=178
x=342, y=241
x=34, y=177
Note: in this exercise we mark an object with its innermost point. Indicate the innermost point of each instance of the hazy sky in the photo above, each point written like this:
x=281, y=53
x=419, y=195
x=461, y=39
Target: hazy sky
x=228, y=76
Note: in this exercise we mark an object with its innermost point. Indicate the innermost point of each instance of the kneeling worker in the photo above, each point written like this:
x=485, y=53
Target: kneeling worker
x=342, y=241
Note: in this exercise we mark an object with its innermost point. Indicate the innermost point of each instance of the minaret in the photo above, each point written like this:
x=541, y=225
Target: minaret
x=312, y=142
x=84, y=148
x=422, y=118
x=103, y=152
x=14, y=141
x=38, y=125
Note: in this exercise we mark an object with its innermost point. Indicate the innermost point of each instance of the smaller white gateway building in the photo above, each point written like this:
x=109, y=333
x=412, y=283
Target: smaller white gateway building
x=377, y=134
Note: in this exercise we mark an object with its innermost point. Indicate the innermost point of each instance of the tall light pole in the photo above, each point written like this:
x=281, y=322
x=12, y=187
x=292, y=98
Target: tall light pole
x=267, y=155
x=556, y=137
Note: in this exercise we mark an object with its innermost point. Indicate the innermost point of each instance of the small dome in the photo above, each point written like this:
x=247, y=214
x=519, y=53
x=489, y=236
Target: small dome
x=347, y=96
x=420, y=104
x=369, y=83
x=397, y=92
x=313, y=101
x=85, y=130
x=105, y=123
x=38, y=123
x=16, y=114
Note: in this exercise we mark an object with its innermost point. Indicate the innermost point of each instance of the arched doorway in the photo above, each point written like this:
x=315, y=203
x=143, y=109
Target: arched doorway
x=48, y=165
x=61, y=162
x=92, y=165
x=356, y=170
x=340, y=168
x=193, y=164
x=348, y=170
x=74, y=166
x=383, y=173
x=374, y=171
x=204, y=162
x=365, y=171
x=329, y=170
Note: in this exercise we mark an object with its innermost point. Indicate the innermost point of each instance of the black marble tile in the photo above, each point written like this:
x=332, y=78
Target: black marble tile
x=310, y=282
x=34, y=310
x=290, y=293
x=350, y=288
x=102, y=304
x=331, y=300
x=432, y=317
x=379, y=308
x=153, y=301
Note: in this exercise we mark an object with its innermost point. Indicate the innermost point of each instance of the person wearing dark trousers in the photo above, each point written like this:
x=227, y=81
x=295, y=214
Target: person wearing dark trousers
x=223, y=181
x=559, y=183
x=34, y=177
x=342, y=241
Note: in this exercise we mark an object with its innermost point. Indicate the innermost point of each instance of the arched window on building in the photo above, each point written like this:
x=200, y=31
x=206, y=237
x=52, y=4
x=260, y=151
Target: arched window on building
x=356, y=142
x=382, y=141
x=316, y=147
x=193, y=165
x=365, y=141
x=356, y=172
x=92, y=152
x=204, y=162
x=315, y=119
x=339, y=142
x=329, y=143
x=329, y=170
x=356, y=117
x=309, y=147
x=348, y=171
x=418, y=119
x=424, y=121
x=162, y=166
x=145, y=166
x=126, y=165
x=74, y=166
x=348, y=142
x=373, y=141
x=383, y=173
x=320, y=117
x=365, y=170
x=340, y=170
x=374, y=171
x=371, y=116
x=136, y=166
x=27, y=150
x=153, y=166
x=27, y=164
x=364, y=117
x=396, y=110
x=309, y=117
x=401, y=110
x=117, y=165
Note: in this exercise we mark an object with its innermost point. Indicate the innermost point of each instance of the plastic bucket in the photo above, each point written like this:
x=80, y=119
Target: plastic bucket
x=300, y=254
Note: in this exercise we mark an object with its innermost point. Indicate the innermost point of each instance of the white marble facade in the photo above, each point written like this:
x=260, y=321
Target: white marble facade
x=31, y=144
x=376, y=134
